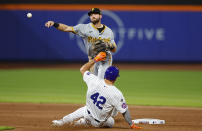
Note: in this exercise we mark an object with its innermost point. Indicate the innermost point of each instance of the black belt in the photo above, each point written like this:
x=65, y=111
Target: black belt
x=93, y=118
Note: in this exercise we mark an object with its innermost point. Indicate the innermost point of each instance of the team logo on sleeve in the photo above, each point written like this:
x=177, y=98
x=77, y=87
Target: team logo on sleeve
x=124, y=106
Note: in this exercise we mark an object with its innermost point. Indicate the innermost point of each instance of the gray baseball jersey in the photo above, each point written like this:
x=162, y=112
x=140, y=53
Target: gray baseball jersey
x=90, y=34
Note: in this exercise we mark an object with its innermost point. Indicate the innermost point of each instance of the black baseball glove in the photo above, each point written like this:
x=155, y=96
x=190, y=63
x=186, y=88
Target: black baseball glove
x=99, y=46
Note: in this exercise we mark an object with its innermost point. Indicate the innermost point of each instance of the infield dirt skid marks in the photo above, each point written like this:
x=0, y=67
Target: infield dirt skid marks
x=38, y=117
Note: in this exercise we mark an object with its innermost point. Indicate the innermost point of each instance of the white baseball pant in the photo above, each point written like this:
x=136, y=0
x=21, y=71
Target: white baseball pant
x=86, y=119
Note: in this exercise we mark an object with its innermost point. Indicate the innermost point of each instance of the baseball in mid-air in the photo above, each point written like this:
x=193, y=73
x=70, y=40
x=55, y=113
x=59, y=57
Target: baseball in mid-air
x=29, y=15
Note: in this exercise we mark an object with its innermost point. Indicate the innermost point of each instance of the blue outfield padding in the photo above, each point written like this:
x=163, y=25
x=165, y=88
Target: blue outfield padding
x=140, y=35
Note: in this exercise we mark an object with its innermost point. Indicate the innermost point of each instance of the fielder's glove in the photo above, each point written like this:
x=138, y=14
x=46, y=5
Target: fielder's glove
x=100, y=46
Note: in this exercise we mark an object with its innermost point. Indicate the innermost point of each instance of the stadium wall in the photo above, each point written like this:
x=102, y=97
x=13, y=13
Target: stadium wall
x=160, y=33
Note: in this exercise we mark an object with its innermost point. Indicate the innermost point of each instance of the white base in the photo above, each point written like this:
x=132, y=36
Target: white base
x=148, y=121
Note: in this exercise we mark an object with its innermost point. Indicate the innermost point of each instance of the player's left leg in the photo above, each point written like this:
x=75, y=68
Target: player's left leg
x=90, y=121
x=109, y=123
x=79, y=113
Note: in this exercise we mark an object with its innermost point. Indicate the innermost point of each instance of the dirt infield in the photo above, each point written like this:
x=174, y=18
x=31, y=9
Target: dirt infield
x=38, y=117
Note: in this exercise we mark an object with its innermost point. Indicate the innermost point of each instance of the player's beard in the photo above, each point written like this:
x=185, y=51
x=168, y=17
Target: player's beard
x=95, y=21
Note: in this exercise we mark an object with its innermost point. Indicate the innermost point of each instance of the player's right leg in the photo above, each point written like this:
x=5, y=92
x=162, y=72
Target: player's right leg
x=70, y=117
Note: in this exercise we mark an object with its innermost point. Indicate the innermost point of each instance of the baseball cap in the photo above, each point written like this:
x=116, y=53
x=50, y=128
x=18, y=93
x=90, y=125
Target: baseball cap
x=111, y=73
x=94, y=11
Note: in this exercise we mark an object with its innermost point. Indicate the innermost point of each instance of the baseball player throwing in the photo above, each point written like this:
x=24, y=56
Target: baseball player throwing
x=101, y=99
x=91, y=33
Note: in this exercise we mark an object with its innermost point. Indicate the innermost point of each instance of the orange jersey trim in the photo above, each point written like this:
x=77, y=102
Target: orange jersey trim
x=86, y=7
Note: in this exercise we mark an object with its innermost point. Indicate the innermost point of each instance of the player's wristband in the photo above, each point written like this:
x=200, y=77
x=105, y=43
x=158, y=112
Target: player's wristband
x=56, y=25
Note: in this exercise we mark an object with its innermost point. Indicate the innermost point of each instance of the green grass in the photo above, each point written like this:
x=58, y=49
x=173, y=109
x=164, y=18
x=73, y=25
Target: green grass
x=3, y=128
x=165, y=88
x=171, y=88
x=45, y=86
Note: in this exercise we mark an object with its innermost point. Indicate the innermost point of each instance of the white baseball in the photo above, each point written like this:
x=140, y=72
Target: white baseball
x=29, y=15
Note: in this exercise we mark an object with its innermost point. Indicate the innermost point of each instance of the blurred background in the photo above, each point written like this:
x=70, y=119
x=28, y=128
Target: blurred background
x=147, y=32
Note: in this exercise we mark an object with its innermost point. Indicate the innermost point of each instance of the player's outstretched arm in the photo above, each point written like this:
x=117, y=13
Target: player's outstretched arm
x=59, y=26
x=86, y=67
x=127, y=117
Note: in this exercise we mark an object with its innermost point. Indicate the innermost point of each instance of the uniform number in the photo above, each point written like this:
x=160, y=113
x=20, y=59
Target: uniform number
x=98, y=100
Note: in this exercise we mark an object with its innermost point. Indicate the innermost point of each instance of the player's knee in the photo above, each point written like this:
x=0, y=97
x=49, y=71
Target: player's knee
x=110, y=122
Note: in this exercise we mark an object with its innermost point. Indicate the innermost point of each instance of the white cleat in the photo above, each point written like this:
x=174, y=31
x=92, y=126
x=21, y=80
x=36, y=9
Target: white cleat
x=58, y=122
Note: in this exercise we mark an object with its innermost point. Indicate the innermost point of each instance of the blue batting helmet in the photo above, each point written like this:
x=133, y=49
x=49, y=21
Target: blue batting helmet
x=111, y=73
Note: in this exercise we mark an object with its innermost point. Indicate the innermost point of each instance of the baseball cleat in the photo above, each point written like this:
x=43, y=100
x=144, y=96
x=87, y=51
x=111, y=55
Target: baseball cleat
x=57, y=122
